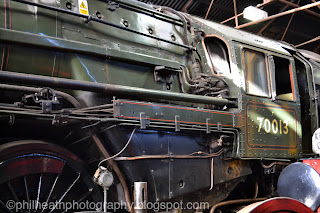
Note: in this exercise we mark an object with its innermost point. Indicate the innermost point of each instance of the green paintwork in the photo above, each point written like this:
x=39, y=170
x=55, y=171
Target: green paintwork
x=188, y=116
x=49, y=43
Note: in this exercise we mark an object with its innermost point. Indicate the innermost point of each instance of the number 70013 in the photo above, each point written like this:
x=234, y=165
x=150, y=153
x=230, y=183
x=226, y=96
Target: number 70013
x=273, y=126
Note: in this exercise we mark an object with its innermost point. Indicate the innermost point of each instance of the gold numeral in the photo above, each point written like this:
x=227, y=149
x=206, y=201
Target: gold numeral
x=267, y=125
x=260, y=119
x=285, y=128
x=275, y=126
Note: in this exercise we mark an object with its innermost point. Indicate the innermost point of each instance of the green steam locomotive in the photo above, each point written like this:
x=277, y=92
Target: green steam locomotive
x=169, y=107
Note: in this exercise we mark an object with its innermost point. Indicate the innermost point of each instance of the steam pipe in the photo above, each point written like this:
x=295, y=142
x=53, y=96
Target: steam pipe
x=22, y=78
x=191, y=26
x=183, y=19
x=185, y=28
x=64, y=95
x=186, y=70
x=185, y=79
x=143, y=157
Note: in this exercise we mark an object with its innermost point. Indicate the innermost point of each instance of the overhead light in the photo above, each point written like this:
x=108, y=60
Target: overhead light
x=254, y=14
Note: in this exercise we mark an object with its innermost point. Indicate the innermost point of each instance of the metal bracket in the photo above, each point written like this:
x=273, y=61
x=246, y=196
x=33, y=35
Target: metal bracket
x=60, y=119
x=177, y=123
x=219, y=125
x=113, y=6
x=116, y=108
x=163, y=75
x=233, y=120
x=46, y=97
x=144, y=120
x=46, y=106
x=271, y=170
x=12, y=119
x=208, y=126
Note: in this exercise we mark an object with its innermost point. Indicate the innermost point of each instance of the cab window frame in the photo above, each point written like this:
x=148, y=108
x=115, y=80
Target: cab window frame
x=209, y=59
x=268, y=80
x=269, y=71
x=291, y=77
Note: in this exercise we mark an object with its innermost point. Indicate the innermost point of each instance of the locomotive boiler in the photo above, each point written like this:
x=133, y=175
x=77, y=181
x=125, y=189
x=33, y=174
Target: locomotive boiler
x=169, y=107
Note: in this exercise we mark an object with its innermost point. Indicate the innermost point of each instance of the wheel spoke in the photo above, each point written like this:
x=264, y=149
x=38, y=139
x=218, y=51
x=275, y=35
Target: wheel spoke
x=13, y=193
x=86, y=195
x=34, y=173
x=83, y=197
x=27, y=191
x=52, y=188
x=66, y=192
x=39, y=190
x=5, y=206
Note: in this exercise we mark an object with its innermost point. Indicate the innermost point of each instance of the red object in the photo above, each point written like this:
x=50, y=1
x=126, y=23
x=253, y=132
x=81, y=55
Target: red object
x=31, y=165
x=279, y=205
x=314, y=163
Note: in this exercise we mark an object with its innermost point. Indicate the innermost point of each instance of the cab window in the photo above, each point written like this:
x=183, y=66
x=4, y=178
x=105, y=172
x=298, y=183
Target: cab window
x=256, y=73
x=218, y=54
x=283, y=78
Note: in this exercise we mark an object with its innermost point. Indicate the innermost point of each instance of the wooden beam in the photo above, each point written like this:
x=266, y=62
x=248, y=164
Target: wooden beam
x=271, y=21
x=217, y=5
x=297, y=6
x=315, y=1
x=185, y=7
x=235, y=11
x=208, y=9
x=288, y=25
x=317, y=49
x=240, y=14
x=308, y=42
x=280, y=14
